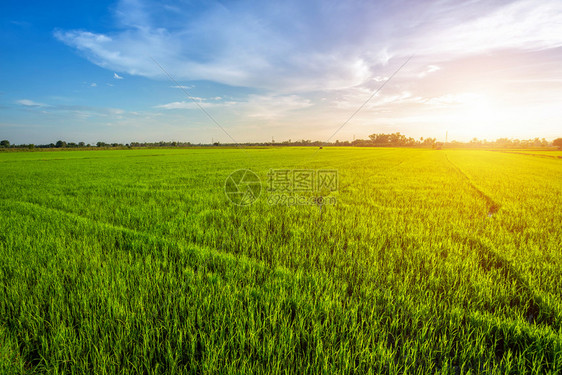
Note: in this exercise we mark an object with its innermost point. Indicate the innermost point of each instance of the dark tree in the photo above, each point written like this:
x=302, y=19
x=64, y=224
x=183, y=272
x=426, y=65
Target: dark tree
x=60, y=144
x=5, y=143
x=429, y=142
x=558, y=143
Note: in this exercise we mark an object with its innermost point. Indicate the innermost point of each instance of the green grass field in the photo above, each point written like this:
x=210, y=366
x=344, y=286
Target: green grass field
x=135, y=261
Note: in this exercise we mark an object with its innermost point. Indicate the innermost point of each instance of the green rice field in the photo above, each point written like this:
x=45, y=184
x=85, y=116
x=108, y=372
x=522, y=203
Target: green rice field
x=136, y=261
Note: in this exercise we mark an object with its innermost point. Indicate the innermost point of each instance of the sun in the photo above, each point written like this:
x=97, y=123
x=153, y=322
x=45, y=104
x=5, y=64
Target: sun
x=480, y=115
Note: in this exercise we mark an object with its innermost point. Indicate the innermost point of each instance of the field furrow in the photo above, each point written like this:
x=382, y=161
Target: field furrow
x=136, y=261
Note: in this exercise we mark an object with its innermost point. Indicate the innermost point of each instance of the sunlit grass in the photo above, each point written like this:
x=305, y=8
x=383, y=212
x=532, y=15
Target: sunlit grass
x=135, y=261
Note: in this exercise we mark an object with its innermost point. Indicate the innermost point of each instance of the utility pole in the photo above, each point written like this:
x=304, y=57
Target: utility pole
x=446, y=136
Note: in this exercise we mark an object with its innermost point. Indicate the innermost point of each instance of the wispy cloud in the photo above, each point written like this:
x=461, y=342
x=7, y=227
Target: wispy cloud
x=182, y=87
x=30, y=103
x=254, y=106
x=189, y=104
x=349, y=100
x=303, y=46
x=428, y=70
x=303, y=67
x=21, y=23
x=82, y=111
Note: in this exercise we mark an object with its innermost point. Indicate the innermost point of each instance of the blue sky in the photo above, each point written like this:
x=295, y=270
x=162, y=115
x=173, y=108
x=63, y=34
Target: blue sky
x=84, y=71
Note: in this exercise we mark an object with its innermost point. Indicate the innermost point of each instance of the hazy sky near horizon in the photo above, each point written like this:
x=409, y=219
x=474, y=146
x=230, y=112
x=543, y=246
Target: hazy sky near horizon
x=84, y=71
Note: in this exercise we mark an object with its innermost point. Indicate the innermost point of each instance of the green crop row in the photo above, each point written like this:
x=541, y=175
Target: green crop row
x=135, y=261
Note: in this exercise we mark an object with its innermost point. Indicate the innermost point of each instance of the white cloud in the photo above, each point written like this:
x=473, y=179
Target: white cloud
x=196, y=102
x=522, y=24
x=254, y=106
x=182, y=87
x=30, y=103
x=79, y=111
x=352, y=99
x=93, y=84
x=188, y=105
x=316, y=62
x=428, y=70
x=296, y=46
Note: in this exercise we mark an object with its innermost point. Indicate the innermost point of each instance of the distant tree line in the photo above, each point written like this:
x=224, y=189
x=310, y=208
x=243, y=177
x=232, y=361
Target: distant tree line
x=374, y=140
x=62, y=144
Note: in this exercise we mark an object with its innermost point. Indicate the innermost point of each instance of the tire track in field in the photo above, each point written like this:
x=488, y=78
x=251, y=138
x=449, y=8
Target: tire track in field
x=200, y=258
x=492, y=205
x=537, y=309
x=555, y=157
x=530, y=301
x=354, y=276
x=77, y=217
x=541, y=323
x=509, y=336
x=148, y=237
x=538, y=326
x=217, y=261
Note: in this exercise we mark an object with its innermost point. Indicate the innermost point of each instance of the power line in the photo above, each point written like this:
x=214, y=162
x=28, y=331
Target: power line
x=369, y=99
x=195, y=101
